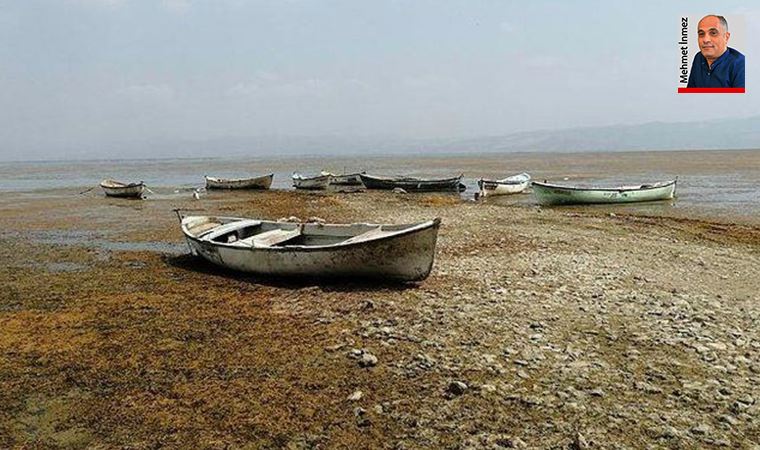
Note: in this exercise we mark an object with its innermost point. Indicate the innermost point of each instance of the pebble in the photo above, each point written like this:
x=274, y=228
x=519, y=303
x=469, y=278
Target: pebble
x=361, y=417
x=597, y=393
x=580, y=442
x=746, y=399
x=356, y=396
x=729, y=419
x=368, y=360
x=669, y=432
x=514, y=442
x=457, y=388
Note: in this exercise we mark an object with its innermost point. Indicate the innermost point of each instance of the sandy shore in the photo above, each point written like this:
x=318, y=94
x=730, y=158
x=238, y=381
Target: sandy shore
x=538, y=328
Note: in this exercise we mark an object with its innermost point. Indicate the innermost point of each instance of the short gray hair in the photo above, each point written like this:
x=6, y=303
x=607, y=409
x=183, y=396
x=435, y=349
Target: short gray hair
x=721, y=19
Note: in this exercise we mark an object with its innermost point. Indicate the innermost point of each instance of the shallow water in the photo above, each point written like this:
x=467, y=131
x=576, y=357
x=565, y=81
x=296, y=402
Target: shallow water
x=723, y=184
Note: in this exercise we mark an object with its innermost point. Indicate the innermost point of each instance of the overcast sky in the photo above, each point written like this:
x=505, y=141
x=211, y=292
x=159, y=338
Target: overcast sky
x=89, y=72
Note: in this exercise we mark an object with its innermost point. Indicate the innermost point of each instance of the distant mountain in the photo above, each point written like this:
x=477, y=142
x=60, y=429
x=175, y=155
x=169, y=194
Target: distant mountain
x=721, y=134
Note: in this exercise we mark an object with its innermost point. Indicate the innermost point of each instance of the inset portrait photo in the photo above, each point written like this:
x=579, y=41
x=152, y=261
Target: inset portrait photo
x=710, y=52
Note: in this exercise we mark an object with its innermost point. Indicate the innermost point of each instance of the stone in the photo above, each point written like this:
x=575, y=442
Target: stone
x=457, y=388
x=356, y=396
x=361, y=417
x=368, y=360
x=367, y=305
x=580, y=442
x=729, y=419
x=669, y=432
x=596, y=393
x=511, y=442
x=702, y=429
x=746, y=399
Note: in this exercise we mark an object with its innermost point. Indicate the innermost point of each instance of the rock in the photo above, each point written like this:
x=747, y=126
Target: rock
x=511, y=442
x=293, y=219
x=648, y=388
x=669, y=432
x=315, y=219
x=368, y=360
x=367, y=305
x=702, y=429
x=579, y=442
x=398, y=191
x=361, y=417
x=746, y=399
x=729, y=419
x=596, y=393
x=356, y=396
x=457, y=388
x=488, y=388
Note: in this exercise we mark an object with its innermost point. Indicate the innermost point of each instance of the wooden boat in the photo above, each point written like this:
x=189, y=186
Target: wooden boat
x=552, y=194
x=510, y=185
x=411, y=184
x=262, y=182
x=351, y=179
x=114, y=188
x=400, y=252
x=312, y=183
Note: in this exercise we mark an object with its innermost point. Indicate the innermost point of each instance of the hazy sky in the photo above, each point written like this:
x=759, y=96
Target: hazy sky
x=84, y=73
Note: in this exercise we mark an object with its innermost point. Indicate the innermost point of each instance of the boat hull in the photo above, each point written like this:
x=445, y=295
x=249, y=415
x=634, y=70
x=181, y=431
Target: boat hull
x=132, y=190
x=551, y=195
x=353, y=179
x=262, y=182
x=312, y=183
x=413, y=184
x=405, y=257
x=506, y=186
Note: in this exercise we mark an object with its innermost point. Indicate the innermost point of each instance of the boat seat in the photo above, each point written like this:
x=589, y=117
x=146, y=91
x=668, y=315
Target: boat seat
x=232, y=226
x=270, y=238
x=371, y=234
x=204, y=228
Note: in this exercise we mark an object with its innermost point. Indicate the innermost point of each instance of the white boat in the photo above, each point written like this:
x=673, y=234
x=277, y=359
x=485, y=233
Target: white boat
x=262, y=182
x=552, y=194
x=399, y=252
x=510, y=185
x=350, y=179
x=313, y=183
x=114, y=188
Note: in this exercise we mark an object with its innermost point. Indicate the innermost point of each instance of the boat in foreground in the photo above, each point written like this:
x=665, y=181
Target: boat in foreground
x=262, y=182
x=548, y=194
x=510, y=185
x=318, y=182
x=411, y=184
x=399, y=252
x=114, y=188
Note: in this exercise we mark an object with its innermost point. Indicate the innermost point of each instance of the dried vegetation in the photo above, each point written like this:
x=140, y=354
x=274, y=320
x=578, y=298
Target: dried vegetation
x=538, y=328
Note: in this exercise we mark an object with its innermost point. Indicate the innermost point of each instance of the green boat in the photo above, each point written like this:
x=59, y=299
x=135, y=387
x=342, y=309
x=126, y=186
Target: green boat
x=548, y=194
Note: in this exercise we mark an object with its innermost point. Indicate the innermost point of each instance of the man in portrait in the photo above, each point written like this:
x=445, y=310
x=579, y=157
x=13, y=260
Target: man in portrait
x=716, y=65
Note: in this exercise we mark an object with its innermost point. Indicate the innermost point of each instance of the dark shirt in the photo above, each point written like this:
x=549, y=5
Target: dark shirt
x=726, y=72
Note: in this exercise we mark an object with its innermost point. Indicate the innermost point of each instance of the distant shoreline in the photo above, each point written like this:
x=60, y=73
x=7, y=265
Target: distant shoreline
x=379, y=155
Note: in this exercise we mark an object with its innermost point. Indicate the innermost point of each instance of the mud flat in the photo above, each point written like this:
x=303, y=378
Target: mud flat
x=538, y=328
